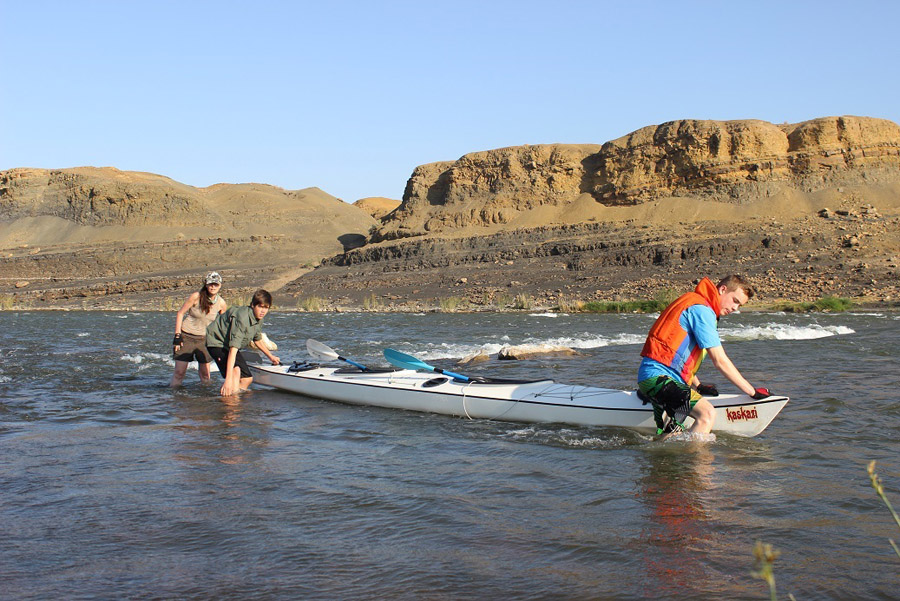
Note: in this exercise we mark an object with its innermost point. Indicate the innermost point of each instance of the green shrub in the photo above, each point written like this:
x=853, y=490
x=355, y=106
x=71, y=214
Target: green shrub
x=451, y=304
x=503, y=300
x=371, y=302
x=522, y=301
x=833, y=303
x=765, y=556
x=879, y=488
x=310, y=304
x=638, y=306
x=567, y=305
x=662, y=299
x=665, y=297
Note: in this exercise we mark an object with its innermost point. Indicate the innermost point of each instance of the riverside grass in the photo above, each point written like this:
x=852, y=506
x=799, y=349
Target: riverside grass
x=765, y=554
x=522, y=301
x=876, y=484
x=826, y=304
x=9, y=302
x=660, y=301
x=372, y=303
x=310, y=304
x=451, y=304
x=489, y=301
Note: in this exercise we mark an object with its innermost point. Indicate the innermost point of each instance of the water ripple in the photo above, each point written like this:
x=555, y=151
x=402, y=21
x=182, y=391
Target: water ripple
x=115, y=486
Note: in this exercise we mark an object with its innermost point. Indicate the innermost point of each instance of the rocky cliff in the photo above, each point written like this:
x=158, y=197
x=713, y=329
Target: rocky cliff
x=91, y=196
x=805, y=210
x=724, y=161
x=98, y=231
x=88, y=196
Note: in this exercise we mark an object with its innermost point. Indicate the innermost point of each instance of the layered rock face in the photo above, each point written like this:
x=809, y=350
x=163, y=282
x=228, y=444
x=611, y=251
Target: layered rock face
x=489, y=187
x=739, y=161
x=91, y=196
x=728, y=161
x=97, y=231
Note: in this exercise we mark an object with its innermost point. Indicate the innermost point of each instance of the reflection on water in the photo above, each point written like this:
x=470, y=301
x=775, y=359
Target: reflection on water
x=214, y=427
x=673, y=487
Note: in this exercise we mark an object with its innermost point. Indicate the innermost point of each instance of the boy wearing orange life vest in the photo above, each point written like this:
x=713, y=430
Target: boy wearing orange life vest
x=682, y=336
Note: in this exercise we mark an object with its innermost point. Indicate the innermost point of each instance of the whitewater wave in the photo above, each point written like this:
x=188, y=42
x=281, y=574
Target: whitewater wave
x=454, y=351
x=691, y=437
x=593, y=341
x=779, y=331
x=449, y=350
x=770, y=331
x=571, y=438
x=146, y=360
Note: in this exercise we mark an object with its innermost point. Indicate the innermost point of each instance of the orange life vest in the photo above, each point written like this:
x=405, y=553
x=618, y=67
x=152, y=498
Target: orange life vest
x=669, y=343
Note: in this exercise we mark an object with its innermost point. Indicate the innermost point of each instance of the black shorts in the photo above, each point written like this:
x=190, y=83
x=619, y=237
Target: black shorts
x=220, y=356
x=193, y=348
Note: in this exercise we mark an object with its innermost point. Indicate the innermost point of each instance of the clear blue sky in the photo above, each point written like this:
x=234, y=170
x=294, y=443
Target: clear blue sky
x=352, y=96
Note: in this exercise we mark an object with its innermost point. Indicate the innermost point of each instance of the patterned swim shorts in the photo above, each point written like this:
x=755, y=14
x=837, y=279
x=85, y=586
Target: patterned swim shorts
x=671, y=397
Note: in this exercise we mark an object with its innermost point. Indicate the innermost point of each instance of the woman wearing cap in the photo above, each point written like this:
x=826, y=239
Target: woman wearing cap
x=198, y=311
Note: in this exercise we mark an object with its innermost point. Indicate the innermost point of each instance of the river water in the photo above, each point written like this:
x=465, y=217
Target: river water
x=114, y=486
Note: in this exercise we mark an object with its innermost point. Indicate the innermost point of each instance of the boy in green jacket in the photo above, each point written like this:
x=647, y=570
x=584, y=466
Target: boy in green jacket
x=232, y=331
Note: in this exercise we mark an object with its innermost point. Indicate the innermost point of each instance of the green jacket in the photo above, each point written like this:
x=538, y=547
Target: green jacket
x=235, y=328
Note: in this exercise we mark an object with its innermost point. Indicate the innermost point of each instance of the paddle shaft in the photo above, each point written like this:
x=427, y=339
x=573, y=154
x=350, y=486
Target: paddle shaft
x=444, y=372
x=353, y=363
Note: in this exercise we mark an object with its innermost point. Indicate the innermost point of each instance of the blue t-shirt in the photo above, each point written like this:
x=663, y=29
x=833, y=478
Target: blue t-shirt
x=699, y=321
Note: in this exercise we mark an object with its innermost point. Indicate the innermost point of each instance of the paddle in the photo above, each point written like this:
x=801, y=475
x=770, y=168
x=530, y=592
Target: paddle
x=409, y=362
x=317, y=350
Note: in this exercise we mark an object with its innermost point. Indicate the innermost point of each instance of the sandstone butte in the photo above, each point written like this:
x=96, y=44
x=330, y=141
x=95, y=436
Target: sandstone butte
x=806, y=210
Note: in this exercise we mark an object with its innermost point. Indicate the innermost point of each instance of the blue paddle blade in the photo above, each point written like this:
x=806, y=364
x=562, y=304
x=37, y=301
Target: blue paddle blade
x=403, y=360
x=409, y=362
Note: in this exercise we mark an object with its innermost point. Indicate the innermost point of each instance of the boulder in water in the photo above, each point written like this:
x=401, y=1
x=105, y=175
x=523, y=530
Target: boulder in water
x=530, y=351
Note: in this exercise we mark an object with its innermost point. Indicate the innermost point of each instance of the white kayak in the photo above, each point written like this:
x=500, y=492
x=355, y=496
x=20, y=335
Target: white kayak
x=540, y=401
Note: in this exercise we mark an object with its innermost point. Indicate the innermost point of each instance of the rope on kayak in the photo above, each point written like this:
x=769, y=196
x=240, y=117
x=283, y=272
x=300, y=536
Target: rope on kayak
x=552, y=391
x=466, y=411
x=514, y=401
x=565, y=391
